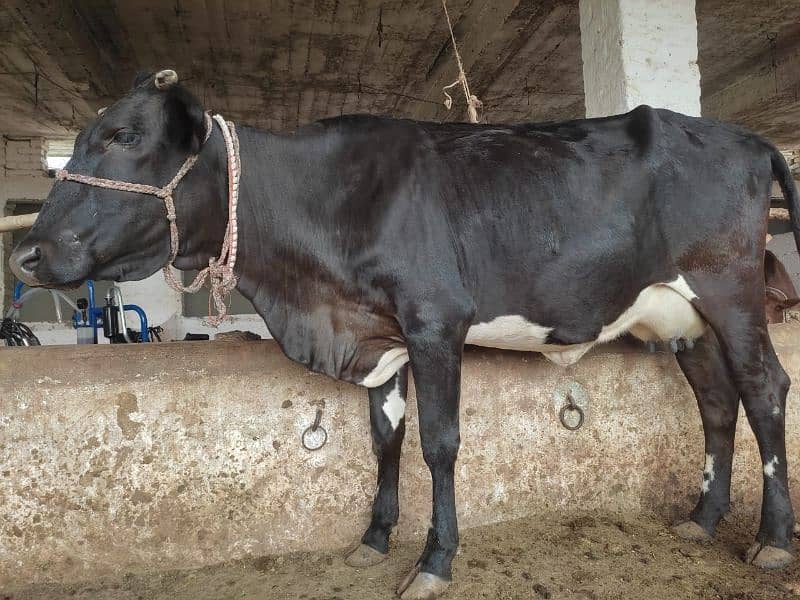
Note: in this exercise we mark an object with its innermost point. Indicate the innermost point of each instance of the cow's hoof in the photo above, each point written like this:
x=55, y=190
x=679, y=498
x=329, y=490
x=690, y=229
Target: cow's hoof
x=768, y=557
x=364, y=556
x=422, y=586
x=689, y=530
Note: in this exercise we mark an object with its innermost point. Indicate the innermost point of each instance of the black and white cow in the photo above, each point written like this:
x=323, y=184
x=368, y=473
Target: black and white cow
x=368, y=243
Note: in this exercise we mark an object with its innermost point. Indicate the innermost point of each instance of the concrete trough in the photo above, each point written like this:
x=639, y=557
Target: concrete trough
x=169, y=456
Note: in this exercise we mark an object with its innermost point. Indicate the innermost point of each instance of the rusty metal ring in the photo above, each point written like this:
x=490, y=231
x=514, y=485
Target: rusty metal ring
x=313, y=429
x=562, y=415
x=317, y=420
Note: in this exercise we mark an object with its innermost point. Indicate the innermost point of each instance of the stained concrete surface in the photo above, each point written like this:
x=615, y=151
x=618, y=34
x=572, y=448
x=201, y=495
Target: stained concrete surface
x=175, y=456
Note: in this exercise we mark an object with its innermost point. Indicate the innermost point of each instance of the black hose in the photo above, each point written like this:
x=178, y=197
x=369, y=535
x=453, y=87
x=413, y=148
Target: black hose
x=17, y=334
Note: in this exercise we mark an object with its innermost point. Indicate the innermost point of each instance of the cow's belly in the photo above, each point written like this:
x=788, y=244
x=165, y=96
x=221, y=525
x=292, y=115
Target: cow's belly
x=661, y=312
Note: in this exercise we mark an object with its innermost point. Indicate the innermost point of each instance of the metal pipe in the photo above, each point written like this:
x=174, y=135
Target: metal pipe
x=121, y=313
x=57, y=305
x=92, y=309
x=17, y=222
x=144, y=336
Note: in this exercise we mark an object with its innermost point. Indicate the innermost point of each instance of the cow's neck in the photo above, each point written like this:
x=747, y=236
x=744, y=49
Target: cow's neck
x=201, y=205
x=276, y=188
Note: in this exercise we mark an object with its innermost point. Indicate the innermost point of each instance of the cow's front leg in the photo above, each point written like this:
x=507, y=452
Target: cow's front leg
x=436, y=364
x=387, y=405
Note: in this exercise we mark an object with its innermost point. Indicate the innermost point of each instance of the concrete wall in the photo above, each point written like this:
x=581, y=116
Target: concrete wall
x=22, y=179
x=22, y=169
x=179, y=455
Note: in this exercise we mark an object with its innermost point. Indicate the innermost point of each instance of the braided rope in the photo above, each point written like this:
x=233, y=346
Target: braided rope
x=473, y=104
x=220, y=271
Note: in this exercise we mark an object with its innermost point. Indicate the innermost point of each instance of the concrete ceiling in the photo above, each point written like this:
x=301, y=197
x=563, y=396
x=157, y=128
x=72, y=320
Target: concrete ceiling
x=281, y=63
x=749, y=57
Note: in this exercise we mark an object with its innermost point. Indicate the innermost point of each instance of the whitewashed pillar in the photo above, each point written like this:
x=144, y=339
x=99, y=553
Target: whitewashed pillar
x=639, y=52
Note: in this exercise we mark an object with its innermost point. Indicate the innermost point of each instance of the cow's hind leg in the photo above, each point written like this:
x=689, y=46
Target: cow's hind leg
x=718, y=400
x=387, y=417
x=740, y=326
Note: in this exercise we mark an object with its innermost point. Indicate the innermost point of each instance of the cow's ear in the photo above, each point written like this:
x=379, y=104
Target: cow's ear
x=186, y=119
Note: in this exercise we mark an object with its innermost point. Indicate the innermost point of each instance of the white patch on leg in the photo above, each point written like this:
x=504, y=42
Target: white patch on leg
x=388, y=364
x=395, y=405
x=776, y=411
x=769, y=467
x=708, y=473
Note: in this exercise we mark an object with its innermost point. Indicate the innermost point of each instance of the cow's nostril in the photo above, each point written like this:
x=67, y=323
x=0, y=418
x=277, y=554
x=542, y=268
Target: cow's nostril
x=31, y=259
x=25, y=261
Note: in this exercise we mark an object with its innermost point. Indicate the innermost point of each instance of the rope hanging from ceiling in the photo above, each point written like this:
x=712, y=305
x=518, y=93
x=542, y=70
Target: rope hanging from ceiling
x=473, y=104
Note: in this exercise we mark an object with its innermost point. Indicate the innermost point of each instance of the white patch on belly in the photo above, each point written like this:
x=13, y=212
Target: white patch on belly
x=661, y=312
x=395, y=405
x=388, y=364
x=565, y=358
x=510, y=332
x=769, y=467
x=708, y=473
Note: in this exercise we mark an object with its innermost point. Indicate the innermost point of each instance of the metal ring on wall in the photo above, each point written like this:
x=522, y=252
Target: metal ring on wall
x=312, y=430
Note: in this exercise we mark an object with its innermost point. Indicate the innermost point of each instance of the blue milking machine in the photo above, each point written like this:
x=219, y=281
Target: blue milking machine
x=88, y=318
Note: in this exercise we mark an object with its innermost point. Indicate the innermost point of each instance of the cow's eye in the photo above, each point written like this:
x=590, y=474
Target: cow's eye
x=126, y=138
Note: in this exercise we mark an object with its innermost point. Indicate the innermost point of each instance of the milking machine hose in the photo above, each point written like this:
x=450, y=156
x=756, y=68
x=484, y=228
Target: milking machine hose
x=17, y=334
x=19, y=300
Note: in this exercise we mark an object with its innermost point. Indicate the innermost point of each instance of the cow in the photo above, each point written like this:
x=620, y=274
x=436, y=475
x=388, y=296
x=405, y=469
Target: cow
x=781, y=294
x=376, y=247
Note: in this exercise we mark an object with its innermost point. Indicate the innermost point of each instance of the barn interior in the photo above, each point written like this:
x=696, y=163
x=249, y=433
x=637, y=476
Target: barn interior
x=190, y=452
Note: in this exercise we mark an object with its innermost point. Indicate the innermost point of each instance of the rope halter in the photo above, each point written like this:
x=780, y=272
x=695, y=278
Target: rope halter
x=220, y=271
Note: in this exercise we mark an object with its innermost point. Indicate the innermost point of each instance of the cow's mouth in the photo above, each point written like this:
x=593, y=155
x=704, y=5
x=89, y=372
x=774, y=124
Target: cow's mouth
x=66, y=287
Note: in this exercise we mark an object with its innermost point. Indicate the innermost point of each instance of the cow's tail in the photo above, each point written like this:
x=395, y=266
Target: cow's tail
x=781, y=172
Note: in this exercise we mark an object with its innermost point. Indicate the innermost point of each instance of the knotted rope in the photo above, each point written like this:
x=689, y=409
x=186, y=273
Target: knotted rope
x=220, y=271
x=473, y=104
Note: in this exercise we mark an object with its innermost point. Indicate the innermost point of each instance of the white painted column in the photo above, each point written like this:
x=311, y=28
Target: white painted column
x=639, y=52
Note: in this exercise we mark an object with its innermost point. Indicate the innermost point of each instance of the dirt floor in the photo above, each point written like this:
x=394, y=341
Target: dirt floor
x=581, y=557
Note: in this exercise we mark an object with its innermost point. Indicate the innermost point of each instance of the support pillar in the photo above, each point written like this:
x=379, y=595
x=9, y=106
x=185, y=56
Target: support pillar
x=639, y=52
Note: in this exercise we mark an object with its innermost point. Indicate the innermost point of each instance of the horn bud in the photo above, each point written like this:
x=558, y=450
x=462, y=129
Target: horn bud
x=166, y=78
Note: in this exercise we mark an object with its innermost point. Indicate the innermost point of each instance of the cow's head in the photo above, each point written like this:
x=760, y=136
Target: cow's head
x=86, y=232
